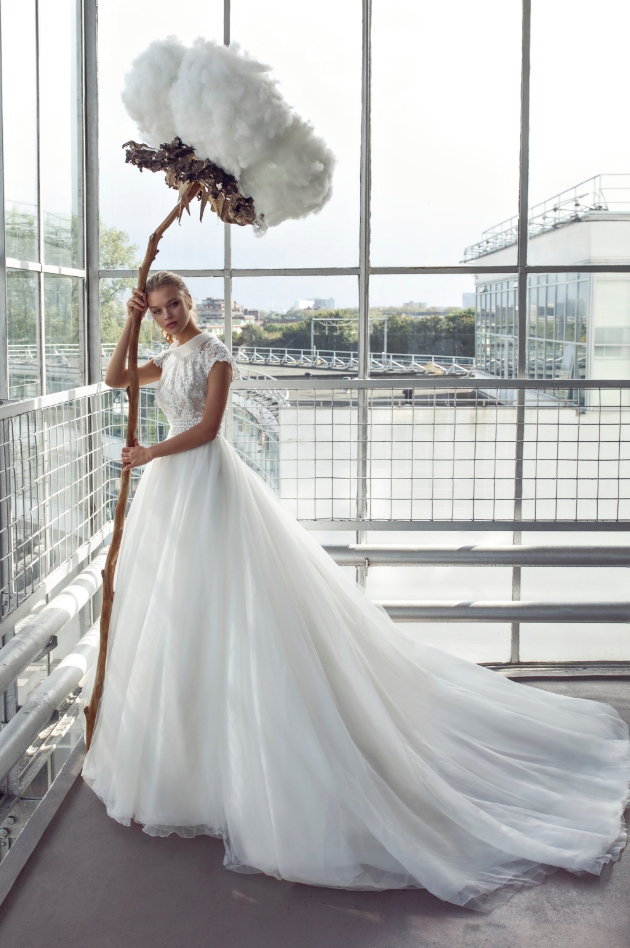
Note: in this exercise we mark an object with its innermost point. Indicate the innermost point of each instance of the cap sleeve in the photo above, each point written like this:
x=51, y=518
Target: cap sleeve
x=215, y=351
x=159, y=357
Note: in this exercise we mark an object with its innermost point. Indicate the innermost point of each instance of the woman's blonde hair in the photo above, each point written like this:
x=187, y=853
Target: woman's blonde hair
x=166, y=278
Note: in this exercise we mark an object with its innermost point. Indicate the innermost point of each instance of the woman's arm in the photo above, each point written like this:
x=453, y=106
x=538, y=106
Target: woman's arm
x=208, y=428
x=117, y=374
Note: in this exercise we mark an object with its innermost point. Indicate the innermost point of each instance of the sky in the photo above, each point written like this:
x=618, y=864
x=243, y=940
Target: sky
x=445, y=110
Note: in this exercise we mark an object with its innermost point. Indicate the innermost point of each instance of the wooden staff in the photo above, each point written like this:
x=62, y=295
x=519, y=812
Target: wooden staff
x=188, y=193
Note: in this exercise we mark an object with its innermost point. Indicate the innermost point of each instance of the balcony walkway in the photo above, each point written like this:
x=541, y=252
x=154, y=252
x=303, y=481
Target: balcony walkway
x=91, y=882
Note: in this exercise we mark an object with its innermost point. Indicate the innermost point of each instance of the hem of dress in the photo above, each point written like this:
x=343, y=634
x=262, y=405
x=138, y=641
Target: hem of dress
x=474, y=897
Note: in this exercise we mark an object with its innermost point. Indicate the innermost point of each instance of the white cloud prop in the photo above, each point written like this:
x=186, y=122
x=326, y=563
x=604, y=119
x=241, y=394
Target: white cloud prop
x=224, y=104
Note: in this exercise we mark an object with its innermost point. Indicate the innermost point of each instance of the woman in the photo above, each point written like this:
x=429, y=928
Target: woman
x=253, y=692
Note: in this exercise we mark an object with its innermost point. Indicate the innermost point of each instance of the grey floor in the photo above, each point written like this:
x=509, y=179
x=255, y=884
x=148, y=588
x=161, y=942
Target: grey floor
x=92, y=883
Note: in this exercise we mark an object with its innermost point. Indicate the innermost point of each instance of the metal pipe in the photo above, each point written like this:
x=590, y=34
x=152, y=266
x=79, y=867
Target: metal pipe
x=92, y=239
x=4, y=335
x=514, y=556
x=365, y=188
x=35, y=634
x=521, y=259
x=364, y=274
x=21, y=731
x=398, y=384
x=41, y=320
x=376, y=271
x=507, y=611
x=227, y=233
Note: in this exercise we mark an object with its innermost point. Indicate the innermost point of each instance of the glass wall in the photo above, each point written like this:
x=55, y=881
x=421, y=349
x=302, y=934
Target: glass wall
x=42, y=109
x=439, y=181
x=557, y=320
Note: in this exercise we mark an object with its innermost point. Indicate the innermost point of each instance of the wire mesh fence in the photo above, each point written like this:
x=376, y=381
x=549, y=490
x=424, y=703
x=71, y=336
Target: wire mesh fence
x=473, y=452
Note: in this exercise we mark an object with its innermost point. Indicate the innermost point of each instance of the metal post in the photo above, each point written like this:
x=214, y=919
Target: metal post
x=40, y=216
x=227, y=256
x=312, y=338
x=523, y=237
x=4, y=328
x=91, y=195
x=364, y=275
x=384, y=337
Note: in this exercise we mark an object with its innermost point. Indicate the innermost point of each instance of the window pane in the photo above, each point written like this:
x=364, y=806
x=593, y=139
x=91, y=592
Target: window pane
x=60, y=140
x=19, y=105
x=22, y=310
x=290, y=326
x=315, y=53
x=132, y=202
x=580, y=211
x=63, y=319
x=420, y=323
x=445, y=122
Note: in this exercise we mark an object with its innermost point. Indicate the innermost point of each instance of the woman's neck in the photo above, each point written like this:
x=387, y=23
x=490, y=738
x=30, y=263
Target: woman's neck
x=188, y=333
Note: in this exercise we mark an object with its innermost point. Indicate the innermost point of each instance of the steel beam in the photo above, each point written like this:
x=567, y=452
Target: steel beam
x=33, y=637
x=92, y=238
x=507, y=611
x=356, y=554
x=17, y=736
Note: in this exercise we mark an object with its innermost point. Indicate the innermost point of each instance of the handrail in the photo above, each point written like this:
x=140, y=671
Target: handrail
x=20, y=650
x=364, y=554
x=512, y=611
x=17, y=736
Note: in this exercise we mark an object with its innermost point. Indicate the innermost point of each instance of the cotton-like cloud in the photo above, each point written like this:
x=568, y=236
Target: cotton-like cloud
x=225, y=105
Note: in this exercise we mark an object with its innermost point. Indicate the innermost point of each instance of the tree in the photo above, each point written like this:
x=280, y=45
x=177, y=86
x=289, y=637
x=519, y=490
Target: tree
x=117, y=251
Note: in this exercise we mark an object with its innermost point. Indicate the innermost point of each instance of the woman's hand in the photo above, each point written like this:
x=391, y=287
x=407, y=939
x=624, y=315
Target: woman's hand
x=137, y=304
x=136, y=456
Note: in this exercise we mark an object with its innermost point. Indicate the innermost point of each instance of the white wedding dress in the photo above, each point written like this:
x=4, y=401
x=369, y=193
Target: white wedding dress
x=254, y=693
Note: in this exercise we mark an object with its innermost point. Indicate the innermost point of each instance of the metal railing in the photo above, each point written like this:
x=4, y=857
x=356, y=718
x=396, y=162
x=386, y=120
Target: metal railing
x=443, y=453
x=601, y=193
x=330, y=359
x=346, y=361
x=433, y=454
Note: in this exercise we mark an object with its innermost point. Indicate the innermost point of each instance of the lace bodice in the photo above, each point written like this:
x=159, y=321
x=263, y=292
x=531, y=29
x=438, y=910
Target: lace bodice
x=182, y=389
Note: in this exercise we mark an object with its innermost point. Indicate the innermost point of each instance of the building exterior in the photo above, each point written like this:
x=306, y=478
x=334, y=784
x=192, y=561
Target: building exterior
x=211, y=315
x=578, y=324
x=327, y=303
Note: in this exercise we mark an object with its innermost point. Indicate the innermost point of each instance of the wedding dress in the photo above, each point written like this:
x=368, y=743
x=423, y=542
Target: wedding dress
x=254, y=693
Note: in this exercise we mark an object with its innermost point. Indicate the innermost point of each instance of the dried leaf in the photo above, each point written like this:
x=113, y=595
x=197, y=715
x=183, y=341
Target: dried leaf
x=218, y=188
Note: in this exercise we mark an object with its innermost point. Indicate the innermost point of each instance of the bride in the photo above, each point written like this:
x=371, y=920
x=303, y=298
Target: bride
x=254, y=693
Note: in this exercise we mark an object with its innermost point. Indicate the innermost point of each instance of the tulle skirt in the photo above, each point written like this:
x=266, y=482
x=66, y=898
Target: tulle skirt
x=255, y=694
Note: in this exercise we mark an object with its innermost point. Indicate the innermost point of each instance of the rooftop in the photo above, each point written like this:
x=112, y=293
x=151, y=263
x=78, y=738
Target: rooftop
x=607, y=194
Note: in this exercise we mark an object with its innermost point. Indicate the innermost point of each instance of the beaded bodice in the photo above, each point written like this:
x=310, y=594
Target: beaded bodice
x=182, y=389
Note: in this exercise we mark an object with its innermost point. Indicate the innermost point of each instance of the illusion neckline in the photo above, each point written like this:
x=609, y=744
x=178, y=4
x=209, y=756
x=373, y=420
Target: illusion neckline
x=187, y=347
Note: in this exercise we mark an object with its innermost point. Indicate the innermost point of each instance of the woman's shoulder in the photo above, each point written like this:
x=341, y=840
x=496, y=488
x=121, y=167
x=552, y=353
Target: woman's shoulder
x=216, y=351
x=160, y=357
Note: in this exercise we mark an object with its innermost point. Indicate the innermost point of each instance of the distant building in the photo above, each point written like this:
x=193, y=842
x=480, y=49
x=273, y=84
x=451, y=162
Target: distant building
x=578, y=324
x=469, y=300
x=211, y=315
x=328, y=303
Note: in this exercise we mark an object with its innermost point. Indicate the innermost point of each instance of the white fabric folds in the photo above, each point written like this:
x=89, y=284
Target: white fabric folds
x=254, y=693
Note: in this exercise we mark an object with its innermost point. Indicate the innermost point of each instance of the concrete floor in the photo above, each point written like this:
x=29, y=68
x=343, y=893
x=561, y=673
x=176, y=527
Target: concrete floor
x=92, y=883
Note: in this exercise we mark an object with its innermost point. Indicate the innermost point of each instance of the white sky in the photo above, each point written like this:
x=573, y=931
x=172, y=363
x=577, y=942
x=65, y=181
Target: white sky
x=445, y=127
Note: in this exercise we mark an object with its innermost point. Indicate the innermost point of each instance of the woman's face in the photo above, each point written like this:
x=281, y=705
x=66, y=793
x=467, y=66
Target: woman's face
x=170, y=309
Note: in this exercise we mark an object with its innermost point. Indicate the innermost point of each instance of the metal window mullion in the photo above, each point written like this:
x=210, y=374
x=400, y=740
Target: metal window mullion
x=227, y=261
x=364, y=271
x=4, y=334
x=92, y=315
x=40, y=215
x=523, y=237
